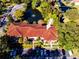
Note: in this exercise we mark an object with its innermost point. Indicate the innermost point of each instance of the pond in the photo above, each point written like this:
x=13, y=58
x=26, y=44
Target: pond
x=32, y=15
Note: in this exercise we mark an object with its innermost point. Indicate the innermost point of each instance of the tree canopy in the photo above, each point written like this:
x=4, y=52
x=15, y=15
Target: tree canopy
x=69, y=35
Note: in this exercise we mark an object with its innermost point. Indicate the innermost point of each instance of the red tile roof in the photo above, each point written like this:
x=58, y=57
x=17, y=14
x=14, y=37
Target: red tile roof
x=32, y=30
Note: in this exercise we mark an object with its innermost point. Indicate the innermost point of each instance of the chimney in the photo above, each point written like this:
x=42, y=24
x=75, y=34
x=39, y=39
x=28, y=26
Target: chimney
x=50, y=22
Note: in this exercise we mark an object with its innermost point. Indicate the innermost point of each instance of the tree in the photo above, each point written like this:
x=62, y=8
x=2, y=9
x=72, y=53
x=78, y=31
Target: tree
x=26, y=1
x=69, y=35
x=34, y=3
x=3, y=0
x=45, y=6
x=4, y=49
x=9, y=44
x=45, y=9
x=18, y=14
